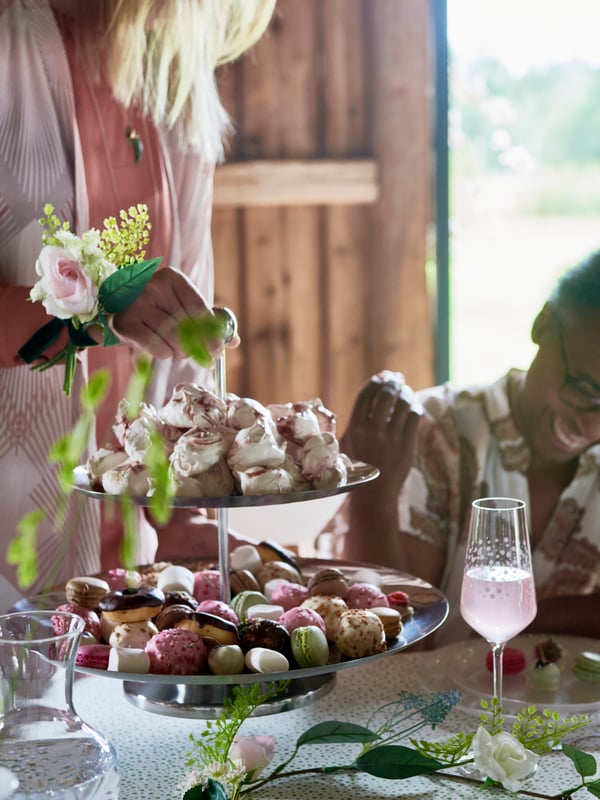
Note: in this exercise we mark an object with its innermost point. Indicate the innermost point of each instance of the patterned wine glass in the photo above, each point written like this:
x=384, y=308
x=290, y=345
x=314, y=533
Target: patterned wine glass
x=498, y=591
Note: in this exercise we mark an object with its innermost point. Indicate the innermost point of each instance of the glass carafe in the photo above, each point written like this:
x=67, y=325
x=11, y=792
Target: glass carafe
x=53, y=753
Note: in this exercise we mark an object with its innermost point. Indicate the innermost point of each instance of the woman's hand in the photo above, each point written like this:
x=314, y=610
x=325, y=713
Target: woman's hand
x=383, y=429
x=151, y=321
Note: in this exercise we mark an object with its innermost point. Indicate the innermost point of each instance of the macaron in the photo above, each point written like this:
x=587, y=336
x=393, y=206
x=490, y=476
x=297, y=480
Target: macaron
x=587, y=666
x=513, y=661
x=242, y=580
x=93, y=656
x=86, y=591
x=329, y=580
x=391, y=619
x=310, y=647
x=242, y=602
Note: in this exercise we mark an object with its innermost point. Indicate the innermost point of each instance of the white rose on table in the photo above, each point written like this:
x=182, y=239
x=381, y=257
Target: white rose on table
x=70, y=276
x=503, y=758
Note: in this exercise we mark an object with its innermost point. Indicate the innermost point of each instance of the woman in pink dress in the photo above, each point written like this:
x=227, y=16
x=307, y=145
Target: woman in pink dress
x=105, y=104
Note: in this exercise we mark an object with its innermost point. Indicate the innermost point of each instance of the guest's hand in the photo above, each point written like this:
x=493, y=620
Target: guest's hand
x=383, y=429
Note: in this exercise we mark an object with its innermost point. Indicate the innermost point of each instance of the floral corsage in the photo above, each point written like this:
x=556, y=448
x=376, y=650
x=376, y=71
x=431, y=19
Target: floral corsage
x=85, y=279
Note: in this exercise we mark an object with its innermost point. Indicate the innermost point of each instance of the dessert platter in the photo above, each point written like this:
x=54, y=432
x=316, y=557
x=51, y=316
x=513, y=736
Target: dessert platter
x=225, y=451
x=532, y=674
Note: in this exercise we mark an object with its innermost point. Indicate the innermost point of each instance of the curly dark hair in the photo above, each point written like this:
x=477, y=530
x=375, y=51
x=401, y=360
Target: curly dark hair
x=579, y=287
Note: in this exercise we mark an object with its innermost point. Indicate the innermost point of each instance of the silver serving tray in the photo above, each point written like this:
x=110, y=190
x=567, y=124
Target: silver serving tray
x=358, y=474
x=203, y=695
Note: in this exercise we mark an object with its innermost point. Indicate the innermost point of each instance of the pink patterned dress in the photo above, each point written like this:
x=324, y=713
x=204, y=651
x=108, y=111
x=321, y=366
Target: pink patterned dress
x=48, y=154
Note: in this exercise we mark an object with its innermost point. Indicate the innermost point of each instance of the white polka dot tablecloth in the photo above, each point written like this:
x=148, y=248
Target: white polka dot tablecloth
x=152, y=747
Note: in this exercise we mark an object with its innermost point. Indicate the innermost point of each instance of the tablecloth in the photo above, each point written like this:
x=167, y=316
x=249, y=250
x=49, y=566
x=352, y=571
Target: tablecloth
x=152, y=747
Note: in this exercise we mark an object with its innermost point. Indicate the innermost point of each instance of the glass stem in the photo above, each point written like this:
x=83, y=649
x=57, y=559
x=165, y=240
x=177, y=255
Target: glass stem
x=497, y=650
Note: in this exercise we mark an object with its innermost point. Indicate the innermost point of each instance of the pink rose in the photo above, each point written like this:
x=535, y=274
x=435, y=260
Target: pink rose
x=66, y=290
x=254, y=753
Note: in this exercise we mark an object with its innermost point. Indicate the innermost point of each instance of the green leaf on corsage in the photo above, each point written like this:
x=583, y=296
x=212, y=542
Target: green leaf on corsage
x=125, y=285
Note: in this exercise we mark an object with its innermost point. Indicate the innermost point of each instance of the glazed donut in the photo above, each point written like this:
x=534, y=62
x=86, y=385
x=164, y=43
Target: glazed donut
x=269, y=550
x=133, y=604
x=210, y=628
x=171, y=615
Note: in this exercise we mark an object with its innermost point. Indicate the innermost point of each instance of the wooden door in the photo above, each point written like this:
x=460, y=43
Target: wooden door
x=322, y=210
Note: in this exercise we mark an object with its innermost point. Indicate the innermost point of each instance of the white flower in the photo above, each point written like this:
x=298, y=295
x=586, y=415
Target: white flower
x=503, y=758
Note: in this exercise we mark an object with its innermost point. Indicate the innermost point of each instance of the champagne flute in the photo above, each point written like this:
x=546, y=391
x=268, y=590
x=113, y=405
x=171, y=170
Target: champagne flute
x=498, y=591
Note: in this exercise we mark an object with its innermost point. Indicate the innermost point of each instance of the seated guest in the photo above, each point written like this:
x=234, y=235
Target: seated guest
x=533, y=434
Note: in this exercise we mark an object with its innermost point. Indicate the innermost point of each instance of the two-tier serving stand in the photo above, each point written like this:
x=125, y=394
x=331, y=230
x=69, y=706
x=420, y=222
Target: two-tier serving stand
x=202, y=696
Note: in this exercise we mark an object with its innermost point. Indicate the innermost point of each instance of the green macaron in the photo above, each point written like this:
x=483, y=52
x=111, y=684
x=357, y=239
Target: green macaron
x=587, y=666
x=245, y=600
x=309, y=647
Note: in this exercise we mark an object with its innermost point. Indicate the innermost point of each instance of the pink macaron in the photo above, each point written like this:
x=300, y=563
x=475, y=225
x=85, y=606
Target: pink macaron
x=207, y=585
x=366, y=595
x=90, y=618
x=513, y=661
x=93, y=656
x=289, y=595
x=220, y=609
x=301, y=618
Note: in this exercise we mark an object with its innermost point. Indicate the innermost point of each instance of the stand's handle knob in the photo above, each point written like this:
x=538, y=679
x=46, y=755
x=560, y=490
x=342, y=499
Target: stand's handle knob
x=230, y=319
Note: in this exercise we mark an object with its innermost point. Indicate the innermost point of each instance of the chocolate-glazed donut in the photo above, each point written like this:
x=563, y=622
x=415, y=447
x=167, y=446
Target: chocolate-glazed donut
x=212, y=629
x=132, y=604
x=263, y=633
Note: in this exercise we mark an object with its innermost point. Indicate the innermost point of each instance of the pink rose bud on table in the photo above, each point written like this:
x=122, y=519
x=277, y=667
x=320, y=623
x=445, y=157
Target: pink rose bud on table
x=253, y=752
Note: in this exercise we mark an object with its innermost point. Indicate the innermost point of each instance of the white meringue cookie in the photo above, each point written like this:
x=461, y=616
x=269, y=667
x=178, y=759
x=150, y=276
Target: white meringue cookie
x=196, y=451
x=217, y=481
x=128, y=478
x=299, y=426
x=264, y=480
x=243, y=412
x=319, y=454
x=138, y=436
x=104, y=459
x=193, y=406
x=255, y=446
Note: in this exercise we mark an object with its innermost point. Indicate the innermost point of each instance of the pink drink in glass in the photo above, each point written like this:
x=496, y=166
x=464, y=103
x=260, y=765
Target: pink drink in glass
x=498, y=601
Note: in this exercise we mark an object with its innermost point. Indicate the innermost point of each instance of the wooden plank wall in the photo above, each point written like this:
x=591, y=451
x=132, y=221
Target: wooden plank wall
x=323, y=207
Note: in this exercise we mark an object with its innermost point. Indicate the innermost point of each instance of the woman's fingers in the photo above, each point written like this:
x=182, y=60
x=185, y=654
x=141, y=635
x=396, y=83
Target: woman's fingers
x=152, y=321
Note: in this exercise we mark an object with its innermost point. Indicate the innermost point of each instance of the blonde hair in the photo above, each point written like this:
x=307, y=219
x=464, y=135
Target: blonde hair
x=162, y=56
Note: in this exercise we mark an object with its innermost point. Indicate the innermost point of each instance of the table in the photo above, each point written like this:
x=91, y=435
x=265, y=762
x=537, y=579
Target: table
x=152, y=747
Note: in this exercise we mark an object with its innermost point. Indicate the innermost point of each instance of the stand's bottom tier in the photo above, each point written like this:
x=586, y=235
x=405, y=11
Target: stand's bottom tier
x=206, y=701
